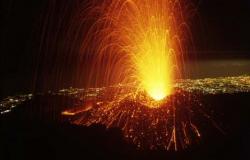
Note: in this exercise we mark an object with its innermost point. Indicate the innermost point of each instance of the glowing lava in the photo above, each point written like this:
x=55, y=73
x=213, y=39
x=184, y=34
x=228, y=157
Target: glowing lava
x=153, y=64
x=153, y=53
x=137, y=41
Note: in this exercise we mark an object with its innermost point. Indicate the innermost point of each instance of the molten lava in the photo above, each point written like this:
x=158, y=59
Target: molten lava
x=153, y=62
x=144, y=37
x=153, y=54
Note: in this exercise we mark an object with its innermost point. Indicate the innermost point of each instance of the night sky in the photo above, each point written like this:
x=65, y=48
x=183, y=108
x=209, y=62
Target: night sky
x=221, y=28
x=225, y=25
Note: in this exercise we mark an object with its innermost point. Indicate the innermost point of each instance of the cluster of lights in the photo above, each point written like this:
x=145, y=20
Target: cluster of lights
x=216, y=85
x=7, y=104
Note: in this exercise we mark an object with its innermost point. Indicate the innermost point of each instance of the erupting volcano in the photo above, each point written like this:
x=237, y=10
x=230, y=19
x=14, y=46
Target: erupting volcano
x=130, y=79
x=138, y=47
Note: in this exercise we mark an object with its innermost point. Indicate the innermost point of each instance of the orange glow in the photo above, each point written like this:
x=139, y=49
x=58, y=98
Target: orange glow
x=152, y=47
x=153, y=62
x=67, y=113
x=84, y=108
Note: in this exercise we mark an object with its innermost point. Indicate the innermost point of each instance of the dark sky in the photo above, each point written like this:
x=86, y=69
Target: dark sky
x=226, y=25
x=223, y=27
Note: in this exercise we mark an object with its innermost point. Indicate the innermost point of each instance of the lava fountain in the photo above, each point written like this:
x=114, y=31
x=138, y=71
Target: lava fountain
x=139, y=42
x=150, y=45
